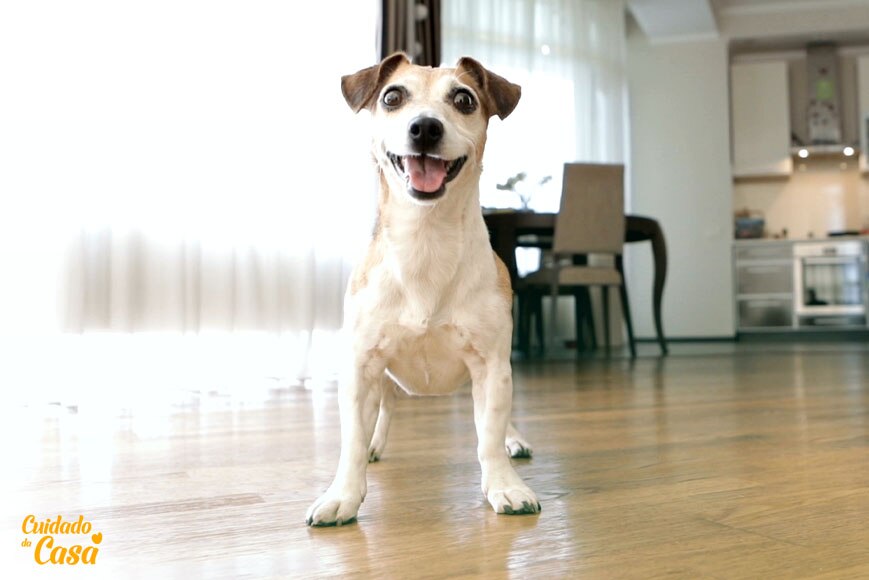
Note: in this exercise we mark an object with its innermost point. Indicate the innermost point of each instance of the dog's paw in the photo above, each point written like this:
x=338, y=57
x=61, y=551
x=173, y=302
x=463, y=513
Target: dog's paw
x=375, y=450
x=516, y=445
x=518, y=448
x=334, y=509
x=516, y=500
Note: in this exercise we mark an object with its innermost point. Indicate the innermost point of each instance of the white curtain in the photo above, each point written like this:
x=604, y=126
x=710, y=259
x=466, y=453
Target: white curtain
x=180, y=166
x=569, y=57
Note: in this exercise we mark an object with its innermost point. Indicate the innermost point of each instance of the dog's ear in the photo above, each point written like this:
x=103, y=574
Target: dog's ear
x=499, y=94
x=360, y=87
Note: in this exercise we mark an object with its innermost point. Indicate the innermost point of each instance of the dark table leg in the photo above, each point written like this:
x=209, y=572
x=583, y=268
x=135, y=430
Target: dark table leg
x=639, y=229
x=659, y=251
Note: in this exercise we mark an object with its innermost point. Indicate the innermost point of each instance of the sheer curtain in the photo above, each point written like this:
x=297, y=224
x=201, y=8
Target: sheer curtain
x=176, y=167
x=569, y=57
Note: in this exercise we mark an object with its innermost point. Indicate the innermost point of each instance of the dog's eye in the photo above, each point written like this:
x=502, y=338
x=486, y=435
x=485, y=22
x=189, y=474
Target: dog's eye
x=393, y=98
x=464, y=102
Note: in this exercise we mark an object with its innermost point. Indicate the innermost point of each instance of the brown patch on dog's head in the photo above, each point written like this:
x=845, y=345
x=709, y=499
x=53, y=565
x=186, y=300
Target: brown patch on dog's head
x=360, y=88
x=499, y=95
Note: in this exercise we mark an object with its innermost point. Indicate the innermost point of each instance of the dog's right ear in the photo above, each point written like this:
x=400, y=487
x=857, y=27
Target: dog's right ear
x=360, y=87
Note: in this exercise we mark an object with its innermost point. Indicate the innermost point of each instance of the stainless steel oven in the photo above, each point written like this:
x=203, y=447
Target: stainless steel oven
x=830, y=283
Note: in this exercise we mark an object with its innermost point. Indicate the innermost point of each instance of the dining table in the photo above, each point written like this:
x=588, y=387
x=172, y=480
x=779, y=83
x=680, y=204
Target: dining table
x=511, y=229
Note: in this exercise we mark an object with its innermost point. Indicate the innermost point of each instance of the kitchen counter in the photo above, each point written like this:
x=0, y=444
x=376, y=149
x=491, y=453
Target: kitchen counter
x=771, y=241
x=803, y=284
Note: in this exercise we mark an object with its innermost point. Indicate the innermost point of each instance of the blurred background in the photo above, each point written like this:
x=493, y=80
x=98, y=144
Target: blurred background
x=184, y=191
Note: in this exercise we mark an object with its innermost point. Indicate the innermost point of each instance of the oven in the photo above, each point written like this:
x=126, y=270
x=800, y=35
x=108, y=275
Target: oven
x=830, y=283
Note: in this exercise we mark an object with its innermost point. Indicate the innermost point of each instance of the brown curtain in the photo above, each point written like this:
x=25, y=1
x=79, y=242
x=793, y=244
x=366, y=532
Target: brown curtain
x=406, y=22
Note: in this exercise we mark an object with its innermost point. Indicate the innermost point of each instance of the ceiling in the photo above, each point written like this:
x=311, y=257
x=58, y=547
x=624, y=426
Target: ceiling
x=760, y=23
x=664, y=20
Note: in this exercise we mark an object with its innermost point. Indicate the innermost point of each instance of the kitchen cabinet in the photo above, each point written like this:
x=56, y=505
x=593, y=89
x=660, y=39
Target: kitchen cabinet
x=863, y=107
x=764, y=279
x=801, y=285
x=760, y=113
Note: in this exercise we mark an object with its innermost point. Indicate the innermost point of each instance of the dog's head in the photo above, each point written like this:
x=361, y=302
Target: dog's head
x=430, y=123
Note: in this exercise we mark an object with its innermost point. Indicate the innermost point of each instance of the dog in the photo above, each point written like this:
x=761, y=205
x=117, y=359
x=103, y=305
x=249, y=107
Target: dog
x=429, y=309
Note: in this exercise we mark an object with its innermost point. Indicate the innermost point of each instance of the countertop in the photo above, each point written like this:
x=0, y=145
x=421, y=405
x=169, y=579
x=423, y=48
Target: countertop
x=771, y=241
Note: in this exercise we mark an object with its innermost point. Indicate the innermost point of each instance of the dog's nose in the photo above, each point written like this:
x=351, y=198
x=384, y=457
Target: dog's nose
x=425, y=133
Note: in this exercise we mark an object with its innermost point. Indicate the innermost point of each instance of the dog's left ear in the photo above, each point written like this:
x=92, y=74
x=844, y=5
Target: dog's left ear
x=501, y=95
x=360, y=87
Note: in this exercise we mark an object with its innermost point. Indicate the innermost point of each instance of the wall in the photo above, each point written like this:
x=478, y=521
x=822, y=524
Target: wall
x=680, y=175
x=822, y=195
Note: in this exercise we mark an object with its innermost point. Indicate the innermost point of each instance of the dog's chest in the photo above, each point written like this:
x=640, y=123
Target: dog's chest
x=425, y=338
x=429, y=303
x=428, y=361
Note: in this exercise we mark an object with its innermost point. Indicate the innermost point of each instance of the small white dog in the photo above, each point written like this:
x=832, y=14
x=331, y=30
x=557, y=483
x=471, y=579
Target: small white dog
x=429, y=309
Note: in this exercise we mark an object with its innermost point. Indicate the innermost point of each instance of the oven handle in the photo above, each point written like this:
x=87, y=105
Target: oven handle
x=830, y=261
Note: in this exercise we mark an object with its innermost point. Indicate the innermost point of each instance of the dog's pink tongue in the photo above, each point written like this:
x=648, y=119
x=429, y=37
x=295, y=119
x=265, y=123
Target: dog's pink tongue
x=426, y=173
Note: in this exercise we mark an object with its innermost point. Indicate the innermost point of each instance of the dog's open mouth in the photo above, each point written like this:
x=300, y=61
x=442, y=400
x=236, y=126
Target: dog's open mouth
x=426, y=176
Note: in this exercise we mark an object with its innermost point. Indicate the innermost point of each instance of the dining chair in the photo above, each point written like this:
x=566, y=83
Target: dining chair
x=591, y=220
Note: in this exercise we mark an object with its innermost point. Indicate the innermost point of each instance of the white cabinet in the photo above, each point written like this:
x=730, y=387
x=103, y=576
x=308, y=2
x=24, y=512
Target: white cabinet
x=863, y=108
x=761, y=119
x=764, y=282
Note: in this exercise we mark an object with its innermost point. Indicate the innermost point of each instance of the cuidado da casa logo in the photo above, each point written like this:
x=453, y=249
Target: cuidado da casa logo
x=58, y=541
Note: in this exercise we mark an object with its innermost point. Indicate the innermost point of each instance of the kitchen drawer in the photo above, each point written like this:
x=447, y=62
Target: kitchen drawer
x=772, y=278
x=762, y=251
x=765, y=313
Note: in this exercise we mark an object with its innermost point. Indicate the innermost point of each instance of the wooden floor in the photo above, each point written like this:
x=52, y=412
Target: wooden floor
x=751, y=462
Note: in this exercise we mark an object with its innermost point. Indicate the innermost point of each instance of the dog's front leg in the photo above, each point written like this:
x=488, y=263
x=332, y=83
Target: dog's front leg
x=358, y=401
x=493, y=394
